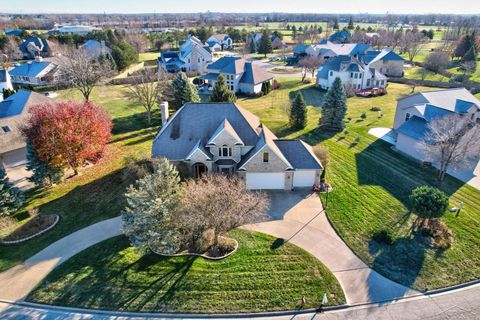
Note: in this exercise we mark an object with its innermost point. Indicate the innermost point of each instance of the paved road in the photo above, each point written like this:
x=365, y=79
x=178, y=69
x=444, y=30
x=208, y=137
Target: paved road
x=299, y=217
x=17, y=282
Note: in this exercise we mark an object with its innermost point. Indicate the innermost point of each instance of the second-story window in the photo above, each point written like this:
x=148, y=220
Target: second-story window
x=265, y=157
x=225, y=151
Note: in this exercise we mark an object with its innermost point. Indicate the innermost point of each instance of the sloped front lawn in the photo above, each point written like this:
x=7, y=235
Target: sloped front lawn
x=258, y=277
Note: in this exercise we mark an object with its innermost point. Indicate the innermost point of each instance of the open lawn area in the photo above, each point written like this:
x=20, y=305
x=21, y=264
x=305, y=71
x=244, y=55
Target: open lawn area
x=371, y=188
x=258, y=277
x=96, y=194
x=146, y=56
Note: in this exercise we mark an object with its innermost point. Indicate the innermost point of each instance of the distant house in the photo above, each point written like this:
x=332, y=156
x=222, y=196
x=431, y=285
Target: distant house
x=34, y=73
x=277, y=43
x=206, y=138
x=241, y=76
x=94, y=48
x=415, y=112
x=14, y=111
x=342, y=36
x=256, y=37
x=5, y=81
x=353, y=73
x=386, y=61
x=73, y=30
x=37, y=47
x=326, y=49
x=14, y=32
x=220, y=42
x=193, y=56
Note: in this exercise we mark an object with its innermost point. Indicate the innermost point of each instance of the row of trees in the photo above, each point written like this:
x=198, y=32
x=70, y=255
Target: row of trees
x=166, y=216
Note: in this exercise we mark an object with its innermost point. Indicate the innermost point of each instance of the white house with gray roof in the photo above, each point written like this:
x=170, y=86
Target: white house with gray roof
x=240, y=75
x=204, y=138
x=415, y=112
x=220, y=42
x=193, y=56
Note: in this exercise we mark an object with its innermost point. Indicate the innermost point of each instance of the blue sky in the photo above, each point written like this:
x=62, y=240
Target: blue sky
x=308, y=6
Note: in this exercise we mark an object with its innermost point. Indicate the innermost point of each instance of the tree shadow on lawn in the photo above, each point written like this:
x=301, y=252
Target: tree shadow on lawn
x=135, y=122
x=312, y=95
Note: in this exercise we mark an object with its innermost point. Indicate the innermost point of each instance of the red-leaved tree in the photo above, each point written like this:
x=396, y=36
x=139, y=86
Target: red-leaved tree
x=68, y=134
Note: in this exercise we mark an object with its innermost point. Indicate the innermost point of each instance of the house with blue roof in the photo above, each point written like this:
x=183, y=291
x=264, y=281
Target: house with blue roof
x=94, y=49
x=415, y=112
x=386, y=61
x=342, y=36
x=240, y=75
x=220, y=42
x=14, y=111
x=193, y=56
x=35, y=47
x=355, y=75
x=327, y=49
x=35, y=73
x=14, y=32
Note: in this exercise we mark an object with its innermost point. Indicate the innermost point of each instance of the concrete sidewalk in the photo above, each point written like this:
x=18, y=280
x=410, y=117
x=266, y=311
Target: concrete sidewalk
x=17, y=282
x=301, y=221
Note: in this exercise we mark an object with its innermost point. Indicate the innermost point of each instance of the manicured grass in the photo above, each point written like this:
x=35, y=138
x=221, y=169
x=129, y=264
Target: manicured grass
x=259, y=277
x=148, y=56
x=371, y=188
x=96, y=194
x=416, y=74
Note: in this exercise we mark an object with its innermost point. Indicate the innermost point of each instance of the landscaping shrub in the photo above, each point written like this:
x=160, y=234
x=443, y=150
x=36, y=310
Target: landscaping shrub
x=363, y=115
x=375, y=109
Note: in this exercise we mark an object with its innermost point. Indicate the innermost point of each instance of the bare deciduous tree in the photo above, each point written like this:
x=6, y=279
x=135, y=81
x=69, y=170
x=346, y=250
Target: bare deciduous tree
x=218, y=204
x=149, y=88
x=311, y=64
x=84, y=73
x=412, y=44
x=452, y=140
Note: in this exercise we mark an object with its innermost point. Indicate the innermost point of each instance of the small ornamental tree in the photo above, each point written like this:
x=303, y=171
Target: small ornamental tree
x=43, y=174
x=334, y=107
x=66, y=135
x=221, y=93
x=11, y=198
x=183, y=91
x=428, y=203
x=149, y=219
x=298, y=112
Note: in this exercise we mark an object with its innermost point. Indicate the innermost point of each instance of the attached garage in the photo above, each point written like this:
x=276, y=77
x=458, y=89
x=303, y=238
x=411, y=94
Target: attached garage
x=304, y=178
x=265, y=181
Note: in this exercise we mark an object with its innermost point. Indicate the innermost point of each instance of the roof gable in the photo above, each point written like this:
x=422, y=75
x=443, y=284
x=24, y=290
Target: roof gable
x=225, y=128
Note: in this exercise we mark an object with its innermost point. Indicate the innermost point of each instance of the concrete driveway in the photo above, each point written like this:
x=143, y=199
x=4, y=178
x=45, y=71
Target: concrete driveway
x=298, y=217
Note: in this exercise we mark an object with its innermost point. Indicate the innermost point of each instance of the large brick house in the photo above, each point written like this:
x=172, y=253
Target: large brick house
x=204, y=138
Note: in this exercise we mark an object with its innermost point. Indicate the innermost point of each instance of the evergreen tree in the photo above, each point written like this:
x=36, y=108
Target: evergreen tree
x=350, y=23
x=183, y=91
x=266, y=87
x=464, y=45
x=11, y=198
x=253, y=47
x=43, y=175
x=298, y=112
x=470, y=55
x=265, y=45
x=335, y=25
x=334, y=107
x=221, y=93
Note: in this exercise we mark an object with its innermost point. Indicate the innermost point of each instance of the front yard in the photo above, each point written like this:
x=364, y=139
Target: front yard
x=258, y=277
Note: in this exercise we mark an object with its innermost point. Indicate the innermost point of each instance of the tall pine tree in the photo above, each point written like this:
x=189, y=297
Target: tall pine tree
x=11, y=198
x=265, y=43
x=334, y=107
x=221, y=93
x=43, y=175
x=298, y=112
x=350, y=23
x=183, y=91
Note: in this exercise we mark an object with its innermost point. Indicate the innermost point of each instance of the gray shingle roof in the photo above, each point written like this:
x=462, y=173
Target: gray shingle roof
x=255, y=74
x=415, y=127
x=299, y=154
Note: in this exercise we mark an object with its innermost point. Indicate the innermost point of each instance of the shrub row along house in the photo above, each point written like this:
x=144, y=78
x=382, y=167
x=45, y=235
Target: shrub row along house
x=415, y=112
x=193, y=56
x=203, y=138
x=240, y=75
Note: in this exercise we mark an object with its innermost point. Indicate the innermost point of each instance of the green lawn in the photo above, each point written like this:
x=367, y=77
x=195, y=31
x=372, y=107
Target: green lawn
x=371, y=188
x=416, y=74
x=98, y=193
x=260, y=276
x=148, y=56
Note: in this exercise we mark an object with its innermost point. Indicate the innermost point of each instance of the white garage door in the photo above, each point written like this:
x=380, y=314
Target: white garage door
x=303, y=178
x=265, y=181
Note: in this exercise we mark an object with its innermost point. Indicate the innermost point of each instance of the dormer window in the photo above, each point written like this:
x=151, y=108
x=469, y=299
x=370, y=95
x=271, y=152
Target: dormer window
x=6, y=129
x=225, y=151
x=407, y=117
x=265, y=157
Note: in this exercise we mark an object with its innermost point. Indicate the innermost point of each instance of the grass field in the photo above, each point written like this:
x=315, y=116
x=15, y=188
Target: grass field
x=98, y=193
x=146, y=56
x=258, y=277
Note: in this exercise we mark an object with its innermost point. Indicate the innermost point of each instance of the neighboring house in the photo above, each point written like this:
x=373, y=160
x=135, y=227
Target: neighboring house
x=342, y=36
x=95, y=49
x=223, y=138
x=240, y=75
x=386, y=61
x=14, y=32
x=14, y=111
x=413, y=114
x=5, y=81
x=220, y=42
x=35, y=73
x=193, y=56
x=37, y=47
x=352, y=72
x=326, y=50
x=77, y=30
x=257, y=37
x=277, y=43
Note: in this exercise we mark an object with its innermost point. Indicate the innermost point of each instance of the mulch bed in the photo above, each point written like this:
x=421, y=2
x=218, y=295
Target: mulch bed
x=32, y=228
